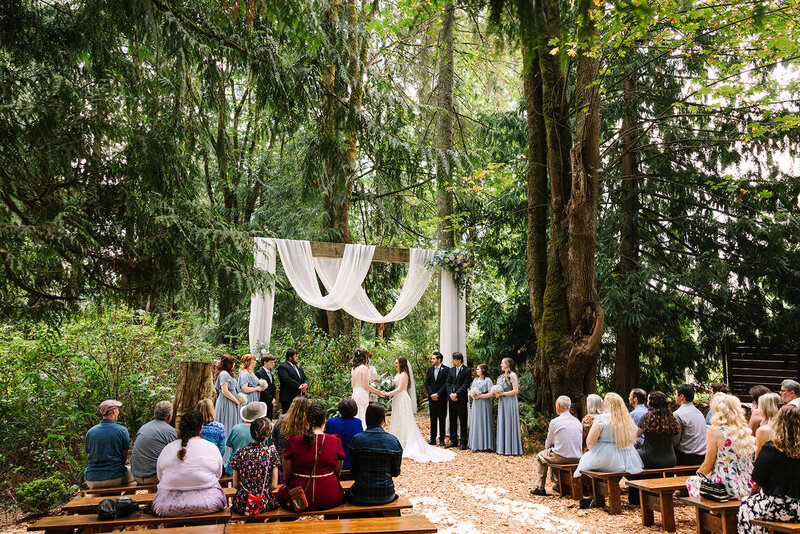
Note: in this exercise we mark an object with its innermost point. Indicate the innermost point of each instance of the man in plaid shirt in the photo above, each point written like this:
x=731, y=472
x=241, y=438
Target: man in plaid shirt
x=375, y=457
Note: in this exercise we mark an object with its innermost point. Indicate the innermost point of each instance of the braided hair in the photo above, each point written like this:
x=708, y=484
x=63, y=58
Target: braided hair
x=316, y=418
x=190, y=427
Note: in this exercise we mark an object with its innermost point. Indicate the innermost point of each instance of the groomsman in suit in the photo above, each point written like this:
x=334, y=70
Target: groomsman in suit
x=458, y=380
x=436, y=386
x=292, y=378
x=265, y=373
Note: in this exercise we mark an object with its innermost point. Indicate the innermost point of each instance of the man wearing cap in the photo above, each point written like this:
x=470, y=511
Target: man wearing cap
x=265, y=373
x=107, y=445
x=436, y=387
x=240, y=434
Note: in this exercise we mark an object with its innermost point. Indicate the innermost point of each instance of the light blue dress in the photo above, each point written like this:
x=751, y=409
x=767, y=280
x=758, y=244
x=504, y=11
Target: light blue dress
x=481, y=424
x=246, y=377
x=606, y=456
x=226, y=410
x=509, y=437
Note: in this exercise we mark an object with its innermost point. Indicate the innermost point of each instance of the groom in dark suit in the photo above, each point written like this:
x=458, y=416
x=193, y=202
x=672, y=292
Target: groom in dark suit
x=436, y=386
x=265, y=372
x=292, y=378
x=458, y=380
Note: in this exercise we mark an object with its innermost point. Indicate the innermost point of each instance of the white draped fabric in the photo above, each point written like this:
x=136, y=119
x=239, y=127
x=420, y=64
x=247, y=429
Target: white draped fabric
x=262, y=304
x=343, y=279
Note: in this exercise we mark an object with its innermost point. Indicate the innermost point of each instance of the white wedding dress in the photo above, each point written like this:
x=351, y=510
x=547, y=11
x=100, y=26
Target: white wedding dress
x=359, y=378
x=404, y=428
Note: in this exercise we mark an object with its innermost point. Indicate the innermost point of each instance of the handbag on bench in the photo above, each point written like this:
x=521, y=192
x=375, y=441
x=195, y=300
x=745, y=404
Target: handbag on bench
x=714, y=491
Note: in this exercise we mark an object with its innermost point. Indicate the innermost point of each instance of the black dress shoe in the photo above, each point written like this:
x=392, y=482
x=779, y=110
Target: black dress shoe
x=463, y=446
x=441, y=443
x=432, y=442
x=451, y=444
x=539, y=491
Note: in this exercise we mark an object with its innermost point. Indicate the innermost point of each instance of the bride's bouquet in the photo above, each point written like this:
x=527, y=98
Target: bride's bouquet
x=386, y=383
x=496, y=390
x=262, y=383
x=473, y=392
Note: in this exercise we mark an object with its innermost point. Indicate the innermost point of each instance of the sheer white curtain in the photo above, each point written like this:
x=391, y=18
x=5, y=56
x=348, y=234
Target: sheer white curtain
x=262, y=304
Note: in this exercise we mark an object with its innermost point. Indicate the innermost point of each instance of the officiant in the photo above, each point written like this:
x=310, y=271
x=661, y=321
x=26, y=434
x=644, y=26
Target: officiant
x=292, y=378
x=265, y=373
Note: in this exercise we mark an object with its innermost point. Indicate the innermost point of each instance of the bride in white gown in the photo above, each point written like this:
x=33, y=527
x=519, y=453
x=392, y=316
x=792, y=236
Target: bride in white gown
x=359, y=380
x=404, y=427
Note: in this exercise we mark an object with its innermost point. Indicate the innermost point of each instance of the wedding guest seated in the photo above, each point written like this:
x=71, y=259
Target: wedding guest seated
x=658, y=427
x=769, y=405
x=690, y=442
x=790, y=392
x=320, y=482
x=150, y=441
x=637, y=399
x=292, y=423
x=345, y=426
x=564, y=443
x=188, y=473
x=213, y=430
x=755, y=414
x=718, y=387
x=107, y=445
x=255, y=469
x=594, y=406
x=729, y=449
x=240, y=434
x=610, y=441
x=375, y=457
x=777, y=472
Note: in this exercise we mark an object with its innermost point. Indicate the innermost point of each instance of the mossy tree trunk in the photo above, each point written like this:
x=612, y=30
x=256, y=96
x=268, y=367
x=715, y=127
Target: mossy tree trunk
x=562, y=179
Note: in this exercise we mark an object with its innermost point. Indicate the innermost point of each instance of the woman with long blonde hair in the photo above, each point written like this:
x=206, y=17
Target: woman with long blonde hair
x=769, y=405
x=292, y=423
x=729, y=449
x=611, y=441
x=777, y=472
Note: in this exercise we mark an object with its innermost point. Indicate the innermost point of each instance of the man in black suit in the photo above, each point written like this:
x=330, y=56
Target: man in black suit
x=458, y=380
x=292, y=378
x=265, y=373
x=436, y=386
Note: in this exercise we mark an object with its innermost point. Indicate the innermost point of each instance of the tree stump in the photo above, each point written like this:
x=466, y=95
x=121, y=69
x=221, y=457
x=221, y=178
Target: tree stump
x=195, y=382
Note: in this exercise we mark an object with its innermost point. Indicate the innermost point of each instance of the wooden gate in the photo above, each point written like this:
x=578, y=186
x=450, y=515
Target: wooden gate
x=746, y=366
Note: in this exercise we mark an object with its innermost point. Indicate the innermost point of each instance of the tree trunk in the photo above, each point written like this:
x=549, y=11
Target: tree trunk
x=195, y=382
x=444, y=132
x=626, y=366
x=566, y=310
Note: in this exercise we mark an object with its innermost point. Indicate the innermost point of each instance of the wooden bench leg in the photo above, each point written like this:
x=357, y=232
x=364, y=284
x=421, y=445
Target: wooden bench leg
x=646, y=509
x=562, y=484
x=577, y=487
x=729, y=523
x=667, y=512
x=614, y=497
x=597, y=493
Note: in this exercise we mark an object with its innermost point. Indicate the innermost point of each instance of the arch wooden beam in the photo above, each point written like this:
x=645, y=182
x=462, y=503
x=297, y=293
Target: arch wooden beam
x=382, y=254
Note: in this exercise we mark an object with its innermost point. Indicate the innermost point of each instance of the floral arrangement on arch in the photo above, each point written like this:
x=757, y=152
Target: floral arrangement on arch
x=458, y=261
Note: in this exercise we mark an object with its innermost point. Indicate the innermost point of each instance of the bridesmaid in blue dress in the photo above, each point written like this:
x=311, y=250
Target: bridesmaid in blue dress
x=227, y=406
x=611, y=441
x=509, y=436
x=481, y=425
x=248, y=381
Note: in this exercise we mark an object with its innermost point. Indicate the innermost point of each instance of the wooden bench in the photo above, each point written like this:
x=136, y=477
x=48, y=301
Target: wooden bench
x=88, y=505
x=655, y=494
x=360, y=525
x=566, y=485
x=607, y=484
x=778, y=526
x=714, y=517
x=343, y=510
x=68, y=523
x=133, y=488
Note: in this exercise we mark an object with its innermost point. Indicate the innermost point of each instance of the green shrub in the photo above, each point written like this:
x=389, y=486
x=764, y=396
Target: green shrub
x=41, y=494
